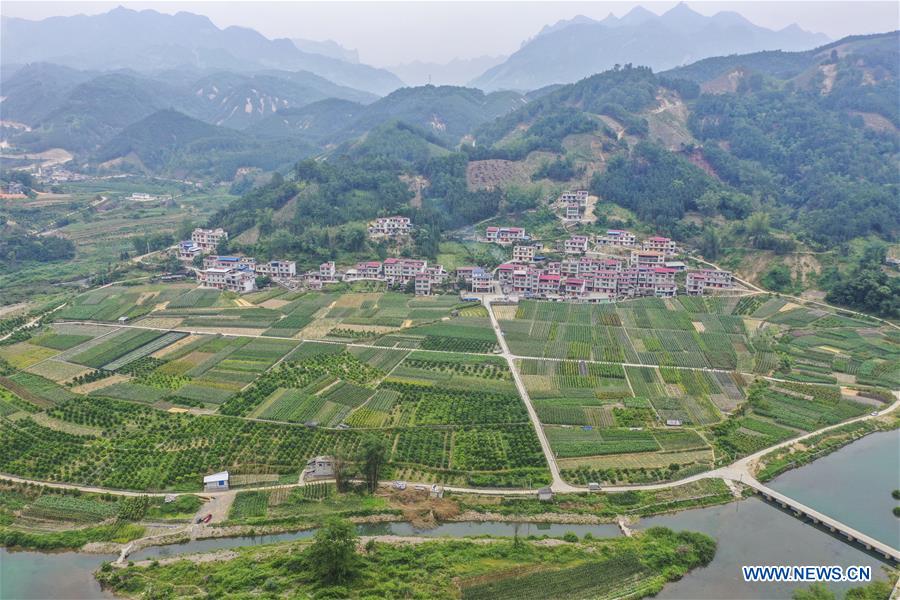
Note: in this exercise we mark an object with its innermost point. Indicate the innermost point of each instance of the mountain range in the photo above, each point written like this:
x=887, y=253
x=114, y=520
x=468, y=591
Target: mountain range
x=148, y=40
x=571, y=50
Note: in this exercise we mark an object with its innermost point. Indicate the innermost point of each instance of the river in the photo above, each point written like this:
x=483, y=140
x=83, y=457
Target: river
x=853, y=485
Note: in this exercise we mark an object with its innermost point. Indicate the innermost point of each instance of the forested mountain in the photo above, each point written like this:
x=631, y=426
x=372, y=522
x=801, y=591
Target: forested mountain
x=172, y=143
x=148, y=40
x=236, y=100
x=93, y=111
x=319, y=122
x=35, y=90
x=810, y=137
x=446, y=112
x=571, y=50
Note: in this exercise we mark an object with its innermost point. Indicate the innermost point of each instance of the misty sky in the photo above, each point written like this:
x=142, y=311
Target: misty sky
x=388, y=33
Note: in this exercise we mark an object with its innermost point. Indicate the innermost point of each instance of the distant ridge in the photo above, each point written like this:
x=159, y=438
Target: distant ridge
x=571, y=50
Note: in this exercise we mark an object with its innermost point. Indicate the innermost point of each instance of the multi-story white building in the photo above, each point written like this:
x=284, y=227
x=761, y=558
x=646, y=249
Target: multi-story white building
x=647, y=258
x=423, y=285
x=505, y=235
x=617, y=237
x=660, y=244
x=372, y=269
x=572, y=211
x=401, y=270
x=327, y=271
x=698, y=282
x=208, y=239
x=228, y=279
x=577, y=244
x=577, y=196
x=390, y=226
x=481, y=281
x=523, y=253
x=278, y=269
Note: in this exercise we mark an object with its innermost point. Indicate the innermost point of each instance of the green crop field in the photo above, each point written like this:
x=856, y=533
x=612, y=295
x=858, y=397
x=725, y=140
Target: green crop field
x=638, y=391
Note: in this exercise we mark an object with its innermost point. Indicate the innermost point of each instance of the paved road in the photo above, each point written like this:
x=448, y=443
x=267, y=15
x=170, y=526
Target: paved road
x=32, y=322
x=559, y=484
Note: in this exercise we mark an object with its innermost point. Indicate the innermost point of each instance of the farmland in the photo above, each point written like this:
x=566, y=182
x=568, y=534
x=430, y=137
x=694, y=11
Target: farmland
x=641, y=391
x=647, y=390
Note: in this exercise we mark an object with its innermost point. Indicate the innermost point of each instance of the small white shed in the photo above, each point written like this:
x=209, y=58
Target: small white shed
x=216, y=482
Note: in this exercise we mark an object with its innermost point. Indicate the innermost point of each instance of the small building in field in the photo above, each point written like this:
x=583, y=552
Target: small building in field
x=319, y=467
x=545, y=494
x=217, y=482
x=673, y=422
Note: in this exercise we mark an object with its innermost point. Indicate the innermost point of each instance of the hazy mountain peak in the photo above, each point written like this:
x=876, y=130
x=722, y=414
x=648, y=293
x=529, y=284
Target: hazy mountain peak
x=637, y=15
x=148, y=40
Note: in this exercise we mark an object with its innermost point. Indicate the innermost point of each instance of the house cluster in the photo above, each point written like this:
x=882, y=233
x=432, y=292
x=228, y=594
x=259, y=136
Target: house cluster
x=586, y=278
x=390, y=227
x=399, y=272
x=620, y=238
x=574, y=204
x=239, y=273
x=395, y=272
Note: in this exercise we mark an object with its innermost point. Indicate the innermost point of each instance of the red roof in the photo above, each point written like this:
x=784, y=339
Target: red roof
x=663, y=270
x=507, y=267
x=549, y=278
x=659, y=239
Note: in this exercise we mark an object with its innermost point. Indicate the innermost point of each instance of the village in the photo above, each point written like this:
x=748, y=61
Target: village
x=603, y=268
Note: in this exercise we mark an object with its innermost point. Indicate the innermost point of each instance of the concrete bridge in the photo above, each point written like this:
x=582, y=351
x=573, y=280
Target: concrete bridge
x=833, y=525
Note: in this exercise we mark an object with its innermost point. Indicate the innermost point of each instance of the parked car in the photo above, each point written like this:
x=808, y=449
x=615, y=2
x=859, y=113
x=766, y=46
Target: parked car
x=399, y=485
x=594, y=486
x=207, y=518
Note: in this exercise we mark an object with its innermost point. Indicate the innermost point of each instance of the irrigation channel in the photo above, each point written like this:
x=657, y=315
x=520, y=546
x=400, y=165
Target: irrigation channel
x=854, y=485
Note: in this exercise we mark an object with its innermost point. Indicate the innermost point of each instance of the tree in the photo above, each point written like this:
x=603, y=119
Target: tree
x=332, y=557
x=185, y=228
x=710, y=244
x=339, y=466
x=757, y=227
x=371, y=456
x=816, y=591
x=778, y=278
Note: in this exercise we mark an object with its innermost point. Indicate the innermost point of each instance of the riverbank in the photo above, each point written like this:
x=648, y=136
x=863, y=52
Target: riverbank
x=399, y=567
x=802, y=453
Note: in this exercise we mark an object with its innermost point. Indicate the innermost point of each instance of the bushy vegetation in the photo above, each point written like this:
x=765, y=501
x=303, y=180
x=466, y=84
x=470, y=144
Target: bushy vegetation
x=332, y=566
